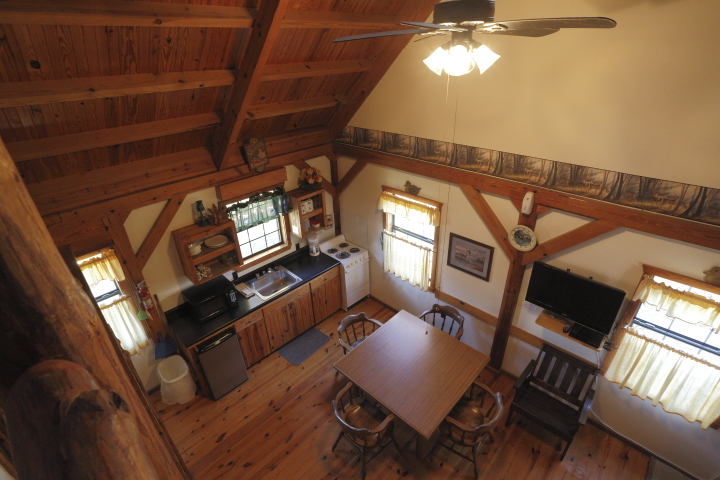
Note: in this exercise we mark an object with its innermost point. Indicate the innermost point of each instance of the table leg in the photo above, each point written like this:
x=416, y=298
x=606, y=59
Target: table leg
x=423, y=446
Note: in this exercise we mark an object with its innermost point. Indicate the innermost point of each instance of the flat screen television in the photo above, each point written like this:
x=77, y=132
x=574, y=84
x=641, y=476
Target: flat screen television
x=582, y=300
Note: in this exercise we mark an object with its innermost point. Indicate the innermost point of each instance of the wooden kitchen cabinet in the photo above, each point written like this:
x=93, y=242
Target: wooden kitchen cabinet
x=289, y=316
x=253, y=336
x=300, y=220
x=326, y=294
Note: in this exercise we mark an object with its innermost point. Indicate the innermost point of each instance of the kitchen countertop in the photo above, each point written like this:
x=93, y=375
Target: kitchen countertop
x=189, y=331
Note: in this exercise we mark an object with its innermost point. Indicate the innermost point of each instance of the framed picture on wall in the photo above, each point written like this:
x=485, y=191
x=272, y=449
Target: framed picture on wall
x=471, y=257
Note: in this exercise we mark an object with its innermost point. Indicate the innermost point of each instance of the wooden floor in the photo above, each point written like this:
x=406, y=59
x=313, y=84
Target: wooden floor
x=279, y=424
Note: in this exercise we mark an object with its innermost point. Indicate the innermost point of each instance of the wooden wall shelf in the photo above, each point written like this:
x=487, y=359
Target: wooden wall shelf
x=300, y=222
x=546, y=321
x=210, y=257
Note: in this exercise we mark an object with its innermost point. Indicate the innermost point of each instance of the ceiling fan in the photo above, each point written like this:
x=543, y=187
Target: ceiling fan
x=462, y=18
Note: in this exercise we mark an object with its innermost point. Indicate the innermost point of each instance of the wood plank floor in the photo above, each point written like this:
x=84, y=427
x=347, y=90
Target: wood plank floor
x=279, y=425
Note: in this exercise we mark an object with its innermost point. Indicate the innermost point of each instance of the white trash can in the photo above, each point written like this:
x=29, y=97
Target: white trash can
x=176, y=383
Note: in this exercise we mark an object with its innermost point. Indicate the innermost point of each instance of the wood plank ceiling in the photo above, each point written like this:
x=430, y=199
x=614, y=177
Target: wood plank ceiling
x=103, y=99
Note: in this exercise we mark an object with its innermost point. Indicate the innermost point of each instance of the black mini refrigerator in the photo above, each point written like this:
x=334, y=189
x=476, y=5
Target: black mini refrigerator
x=222, y=362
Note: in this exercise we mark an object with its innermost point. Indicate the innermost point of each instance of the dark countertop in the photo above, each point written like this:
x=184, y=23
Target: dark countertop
x=189, y=331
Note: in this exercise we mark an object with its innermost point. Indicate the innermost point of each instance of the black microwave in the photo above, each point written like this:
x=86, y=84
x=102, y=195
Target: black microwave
x=211, y=298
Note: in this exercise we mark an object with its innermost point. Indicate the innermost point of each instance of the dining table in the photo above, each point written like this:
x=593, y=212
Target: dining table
x=415, y=370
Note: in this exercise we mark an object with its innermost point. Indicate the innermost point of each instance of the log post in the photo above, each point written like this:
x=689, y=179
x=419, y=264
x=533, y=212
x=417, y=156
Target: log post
x=44, y=314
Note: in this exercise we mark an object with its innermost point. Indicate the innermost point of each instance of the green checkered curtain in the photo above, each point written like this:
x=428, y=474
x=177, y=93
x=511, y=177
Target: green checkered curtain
x=258, y=209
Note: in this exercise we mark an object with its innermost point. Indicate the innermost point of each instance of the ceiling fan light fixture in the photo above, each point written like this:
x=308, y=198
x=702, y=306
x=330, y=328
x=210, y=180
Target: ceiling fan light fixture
x=436, y=61
x=484, y=57
x=459, y=61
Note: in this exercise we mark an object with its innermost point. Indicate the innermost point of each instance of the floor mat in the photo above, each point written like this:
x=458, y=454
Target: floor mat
x=299, y=349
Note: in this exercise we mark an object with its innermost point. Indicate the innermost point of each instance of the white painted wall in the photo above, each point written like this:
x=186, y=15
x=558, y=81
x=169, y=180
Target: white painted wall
x=164, y=273
x=641, y=98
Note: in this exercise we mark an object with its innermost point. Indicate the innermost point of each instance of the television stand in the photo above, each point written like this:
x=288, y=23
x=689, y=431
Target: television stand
x=556, y=325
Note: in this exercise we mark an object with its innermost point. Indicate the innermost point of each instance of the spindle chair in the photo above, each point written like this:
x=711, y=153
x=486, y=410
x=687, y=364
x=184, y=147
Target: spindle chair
x=353, y=329
x=446, y=318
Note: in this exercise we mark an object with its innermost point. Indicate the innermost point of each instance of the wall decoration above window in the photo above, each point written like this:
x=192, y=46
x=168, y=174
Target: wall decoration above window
x=469, y=256
x=255, y=154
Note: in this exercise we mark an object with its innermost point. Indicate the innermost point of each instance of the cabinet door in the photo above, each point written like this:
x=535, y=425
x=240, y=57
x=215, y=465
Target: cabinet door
x=301, y=312
x=327, y=299
x=279, y=327
x=255, y=342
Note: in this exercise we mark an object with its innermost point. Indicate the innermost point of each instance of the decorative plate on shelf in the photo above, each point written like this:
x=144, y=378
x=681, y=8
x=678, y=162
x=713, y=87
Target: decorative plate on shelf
x=522, y=238
x=216, y=242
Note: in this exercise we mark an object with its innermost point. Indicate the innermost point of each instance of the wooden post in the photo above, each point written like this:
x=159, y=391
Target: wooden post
x=334, y=174
x=44, y=313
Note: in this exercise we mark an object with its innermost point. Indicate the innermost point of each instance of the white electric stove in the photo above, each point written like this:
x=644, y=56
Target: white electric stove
x=355, y=274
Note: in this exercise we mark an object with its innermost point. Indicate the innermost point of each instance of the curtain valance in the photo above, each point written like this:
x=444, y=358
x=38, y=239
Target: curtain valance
x=259, y=209
x=682, y=384
x=405, y=207
x=102, y=267
x=685, y=306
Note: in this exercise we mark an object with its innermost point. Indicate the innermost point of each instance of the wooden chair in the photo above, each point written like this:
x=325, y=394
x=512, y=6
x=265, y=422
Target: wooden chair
x=556, y=391
x=364, y=425
x=353, y=329
x=446, y=318
x=471, y=421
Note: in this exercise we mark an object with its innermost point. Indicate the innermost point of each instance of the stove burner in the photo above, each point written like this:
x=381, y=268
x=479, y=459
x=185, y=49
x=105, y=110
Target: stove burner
x=344, y=245
x=332, y=250
x=354, y=250
x=342, y=255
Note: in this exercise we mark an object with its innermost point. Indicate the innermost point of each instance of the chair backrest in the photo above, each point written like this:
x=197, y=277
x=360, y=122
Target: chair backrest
x=467, y=435
x=563, y=375
x=446, y=318
x=363, y=437
x=353, y=329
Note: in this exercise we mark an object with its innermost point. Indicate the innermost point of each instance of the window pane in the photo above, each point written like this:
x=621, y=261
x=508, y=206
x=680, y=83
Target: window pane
x=103, y=287
x=714, y=340
x=245, y=251
x=273, y=238
x=271, y=226
x=650, y=314
x=256, y=232
x=258, y=245
x=696, y=332
x=243, y=237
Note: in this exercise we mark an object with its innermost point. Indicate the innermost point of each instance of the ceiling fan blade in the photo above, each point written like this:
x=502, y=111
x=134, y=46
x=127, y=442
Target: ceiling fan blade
x=438, y=33
x=391, y=33
x=538, y=32
x=449, y=28
x=555, y=23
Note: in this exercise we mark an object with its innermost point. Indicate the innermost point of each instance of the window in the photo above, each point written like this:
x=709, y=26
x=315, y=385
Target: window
x=261, y=224
x=669, y=352
x=107, y=283
x=410, y=236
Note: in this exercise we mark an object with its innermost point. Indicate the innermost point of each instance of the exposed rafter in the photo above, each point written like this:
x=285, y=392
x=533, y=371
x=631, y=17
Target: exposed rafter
x=325, y=19
x=256, y=112
x=122, y=14
x=16, y=94
x=312, y=69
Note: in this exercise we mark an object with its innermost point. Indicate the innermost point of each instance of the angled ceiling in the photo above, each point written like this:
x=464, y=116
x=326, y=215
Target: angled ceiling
x=125, y=95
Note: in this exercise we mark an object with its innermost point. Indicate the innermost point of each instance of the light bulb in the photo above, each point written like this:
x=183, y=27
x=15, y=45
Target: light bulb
x=436, y=61
x=484, y=57
x=459, y=61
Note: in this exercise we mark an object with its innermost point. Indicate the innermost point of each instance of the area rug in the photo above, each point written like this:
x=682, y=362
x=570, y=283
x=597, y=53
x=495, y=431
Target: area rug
x=300, y=348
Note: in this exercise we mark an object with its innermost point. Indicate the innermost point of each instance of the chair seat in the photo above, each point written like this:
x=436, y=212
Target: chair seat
x=554, y=414
x=468, y=412
x=364, y=415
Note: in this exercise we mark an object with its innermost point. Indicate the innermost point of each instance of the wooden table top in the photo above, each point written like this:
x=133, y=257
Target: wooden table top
x=415, y=370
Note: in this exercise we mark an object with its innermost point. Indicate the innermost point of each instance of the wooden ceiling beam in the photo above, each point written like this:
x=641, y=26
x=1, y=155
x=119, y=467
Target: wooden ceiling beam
x=491, y=221
x=417, y=11
x=347, y=179
x=255, y=112
x=123, y=14
x=313, y=69
x=77, y=142
x=158, y=229
x=570, y=239
x=325, y=19
x=265, y=31
x=297, y=140
x=694, y=233
x=18, y=94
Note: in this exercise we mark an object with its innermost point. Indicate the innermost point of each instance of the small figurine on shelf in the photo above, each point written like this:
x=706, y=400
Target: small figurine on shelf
x=310, y=179
x=217, y=214
x=200, y=209
x=203, y=271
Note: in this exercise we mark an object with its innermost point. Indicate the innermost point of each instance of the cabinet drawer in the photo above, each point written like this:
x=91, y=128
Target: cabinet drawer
x=285, y=299
x=324, y=278
x=248, y=320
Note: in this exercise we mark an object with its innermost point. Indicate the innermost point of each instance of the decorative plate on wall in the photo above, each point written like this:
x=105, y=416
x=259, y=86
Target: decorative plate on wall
x=522, y=238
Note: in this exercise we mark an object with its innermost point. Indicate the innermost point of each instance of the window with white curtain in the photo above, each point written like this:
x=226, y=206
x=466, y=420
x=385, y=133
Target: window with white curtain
x=410, y=236
x=670, y=352
x=104, y=274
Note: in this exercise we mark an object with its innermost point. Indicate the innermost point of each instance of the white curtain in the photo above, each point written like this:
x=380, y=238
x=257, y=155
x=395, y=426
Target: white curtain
x=682, y=384
x=407, y=261
x=119, y=313
x=404, y=207
x=685, y=306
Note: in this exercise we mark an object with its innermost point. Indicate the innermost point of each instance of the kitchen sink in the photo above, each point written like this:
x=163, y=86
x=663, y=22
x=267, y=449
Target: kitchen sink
x=273, y=283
